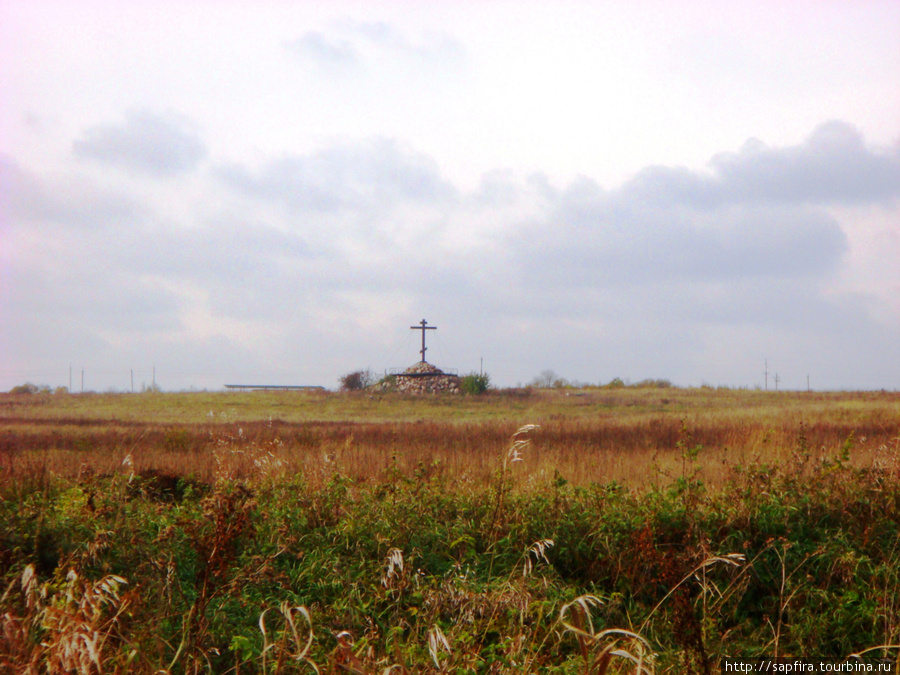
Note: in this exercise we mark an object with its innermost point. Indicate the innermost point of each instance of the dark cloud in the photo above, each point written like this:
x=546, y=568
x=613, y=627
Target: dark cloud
x=63, y=200
x=669, y=187
x=94, y=295
x=372, y=175
x=832, y=166
x=759, y=213
x=690, y=251
x=679, y=273
x=147, y=143
x=686, y=252
x=249, y=270
x=585, y=240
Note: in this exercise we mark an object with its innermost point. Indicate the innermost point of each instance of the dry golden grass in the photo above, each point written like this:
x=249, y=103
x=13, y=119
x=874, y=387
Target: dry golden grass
x=444, y=534
x=631, y=436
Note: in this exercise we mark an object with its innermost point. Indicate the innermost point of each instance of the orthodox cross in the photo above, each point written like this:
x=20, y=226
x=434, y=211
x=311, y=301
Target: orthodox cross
x=423, y=326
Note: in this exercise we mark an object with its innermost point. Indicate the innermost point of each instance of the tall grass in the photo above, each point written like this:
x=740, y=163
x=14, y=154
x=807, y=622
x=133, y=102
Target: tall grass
x=247, y=546
x=626, y=436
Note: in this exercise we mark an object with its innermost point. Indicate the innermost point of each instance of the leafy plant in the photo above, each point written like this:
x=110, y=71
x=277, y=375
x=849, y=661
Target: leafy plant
x=357, y=380
x=475, y=383
x=331, y=533
x=549, y=378
x=29, y=388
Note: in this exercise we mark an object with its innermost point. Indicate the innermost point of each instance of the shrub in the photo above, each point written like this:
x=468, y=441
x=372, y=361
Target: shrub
x=359, y=379
x=549, y=378
x=651, y=383
x=475, y=383
x=29, y=388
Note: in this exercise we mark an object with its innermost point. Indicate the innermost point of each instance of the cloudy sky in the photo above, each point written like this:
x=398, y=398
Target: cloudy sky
x=275, y=191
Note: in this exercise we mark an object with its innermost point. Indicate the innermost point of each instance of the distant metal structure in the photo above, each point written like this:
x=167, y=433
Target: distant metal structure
x=423, y=326
x=275, y=386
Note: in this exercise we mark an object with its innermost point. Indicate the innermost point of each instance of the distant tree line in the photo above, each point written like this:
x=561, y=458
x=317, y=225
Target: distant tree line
x=29, y=388
x=548, y=379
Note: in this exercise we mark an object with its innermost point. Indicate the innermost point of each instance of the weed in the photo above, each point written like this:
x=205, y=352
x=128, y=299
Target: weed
x=69, y=625
x=445, y=536
x=475, y=383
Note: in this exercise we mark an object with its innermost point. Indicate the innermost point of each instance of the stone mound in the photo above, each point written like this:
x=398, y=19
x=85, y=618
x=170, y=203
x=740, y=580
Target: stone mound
x=424, y=378
x=423, y=368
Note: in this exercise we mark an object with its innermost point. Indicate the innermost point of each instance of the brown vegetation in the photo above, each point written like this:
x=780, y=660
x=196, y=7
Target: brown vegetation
x=633, y=530
x=623, y=435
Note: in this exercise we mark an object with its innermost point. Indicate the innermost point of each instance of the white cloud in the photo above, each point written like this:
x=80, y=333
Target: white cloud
x=320, y=49
x=353, y=241
x=288, y=186
x=149, y=143
x=374, y=44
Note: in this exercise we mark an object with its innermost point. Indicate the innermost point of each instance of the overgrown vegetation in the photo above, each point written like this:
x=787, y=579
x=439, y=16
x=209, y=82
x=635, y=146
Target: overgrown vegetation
x=475, y=383
x=29, y=388
x=235, y=545
x=358, y=379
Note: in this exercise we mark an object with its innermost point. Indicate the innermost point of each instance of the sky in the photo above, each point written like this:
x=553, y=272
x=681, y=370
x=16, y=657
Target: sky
x=273, y=192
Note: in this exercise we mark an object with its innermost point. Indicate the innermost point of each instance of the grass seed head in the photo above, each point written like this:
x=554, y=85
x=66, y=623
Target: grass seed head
x=394, y=567
x=437, y=643
x=539, y=551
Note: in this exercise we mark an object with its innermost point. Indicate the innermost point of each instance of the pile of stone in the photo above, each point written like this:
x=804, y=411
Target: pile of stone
x=424, y=378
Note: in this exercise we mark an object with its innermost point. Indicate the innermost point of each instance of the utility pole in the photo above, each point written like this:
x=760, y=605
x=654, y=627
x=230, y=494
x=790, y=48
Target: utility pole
x=481, y=367
x=766, y=373
x=82, y=380
x=776, y=381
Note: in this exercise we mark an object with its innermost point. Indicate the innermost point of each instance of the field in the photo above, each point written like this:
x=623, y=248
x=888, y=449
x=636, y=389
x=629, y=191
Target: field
x=562, y=531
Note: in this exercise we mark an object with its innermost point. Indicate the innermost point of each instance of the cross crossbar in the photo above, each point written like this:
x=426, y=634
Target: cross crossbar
x=423, y=326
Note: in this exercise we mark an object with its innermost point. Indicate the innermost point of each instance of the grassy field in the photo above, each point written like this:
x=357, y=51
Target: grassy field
x=571, y=531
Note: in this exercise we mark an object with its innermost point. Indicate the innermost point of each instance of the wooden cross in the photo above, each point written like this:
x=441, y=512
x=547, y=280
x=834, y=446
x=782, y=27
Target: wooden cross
x=423, y=326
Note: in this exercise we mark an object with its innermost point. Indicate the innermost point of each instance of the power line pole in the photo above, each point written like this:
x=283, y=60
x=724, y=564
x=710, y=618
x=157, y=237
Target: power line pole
x=776, y=381
x=766, y=373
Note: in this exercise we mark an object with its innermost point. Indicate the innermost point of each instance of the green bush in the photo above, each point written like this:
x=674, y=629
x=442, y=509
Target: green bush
x=475, y=383
x=359, y=379
x=549, y=378
x=29, y=388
